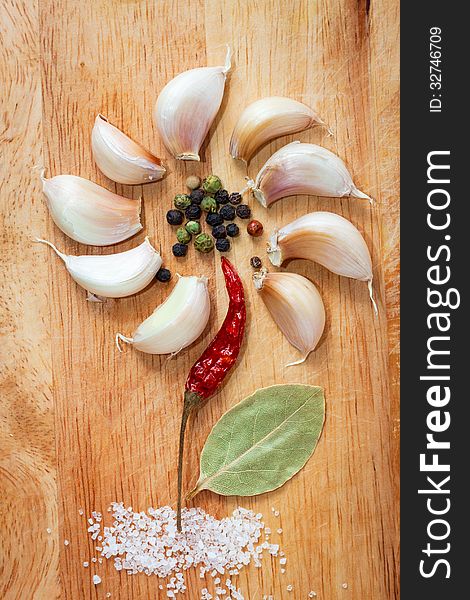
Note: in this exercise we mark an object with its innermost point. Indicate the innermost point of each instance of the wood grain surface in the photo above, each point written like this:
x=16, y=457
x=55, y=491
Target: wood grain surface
x=81, y=424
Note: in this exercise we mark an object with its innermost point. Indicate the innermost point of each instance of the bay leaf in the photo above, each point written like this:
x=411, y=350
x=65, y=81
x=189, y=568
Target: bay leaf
x=263, y=441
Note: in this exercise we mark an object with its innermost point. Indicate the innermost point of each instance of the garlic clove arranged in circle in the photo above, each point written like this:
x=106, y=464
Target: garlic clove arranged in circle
x=113, y=275
x=89, y=213
x=120, y=158
x=176, y=323
x=328, y=239
x=187, y=106
x=266, y=119
x=299, y=168
x=296, y=307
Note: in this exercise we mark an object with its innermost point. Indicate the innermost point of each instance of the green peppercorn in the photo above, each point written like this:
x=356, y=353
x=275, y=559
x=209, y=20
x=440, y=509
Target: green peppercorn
x=209, y=204
x=211, y=184
x=182, y=201
x=183, y=236
x=193, y=227
x=204, y=243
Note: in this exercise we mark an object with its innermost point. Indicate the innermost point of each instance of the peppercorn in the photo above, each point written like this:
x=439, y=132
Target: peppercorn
x=222, y=245
x=227, y=212
x=255, y=262
x=222, y=196
x=255, y=228
x=163, y=275
x=193, y=212
x=174, y=217
x=193, y=227
x=203, y=242
x=179, y=249
x=196, y=196
x=183, y=236
x=232, y=230
x=243, y=211
x=213, y=219
x=211, y=184
x=182, y=201
x=209, y=204
x=235, y=198
x=219, y=232
x=193, y=182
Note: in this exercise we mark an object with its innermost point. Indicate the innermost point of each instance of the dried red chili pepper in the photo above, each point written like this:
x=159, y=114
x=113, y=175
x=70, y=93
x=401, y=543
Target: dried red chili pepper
x=212, y=366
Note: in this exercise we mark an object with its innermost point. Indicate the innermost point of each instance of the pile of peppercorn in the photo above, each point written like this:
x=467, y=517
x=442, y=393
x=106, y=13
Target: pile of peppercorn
x=220, y=209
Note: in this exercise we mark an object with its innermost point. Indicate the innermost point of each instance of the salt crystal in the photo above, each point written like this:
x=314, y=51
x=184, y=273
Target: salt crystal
x=96, y=579
x=108, y=594
x=290, y=588
x=345, y=586
x=66, y=542
x=282, y=561
x=80, y=512
x=276, y=513
x=86, y=564
x=279, y=530
x=49, y=530
x=283, y=571
x=312, y=594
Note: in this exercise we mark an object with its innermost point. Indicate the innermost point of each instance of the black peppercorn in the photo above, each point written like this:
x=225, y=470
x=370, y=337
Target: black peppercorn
x=222, y=245
x=214, y=219
x=163, y=275
x=196, y=196
x=235, y=198
x=179, y=249
x=243, y=211
x=174, y=217
x=232, y=230
x=222, y=196
x=255, y=262
x=193, y=212
x=219, y=232
x=227, y=212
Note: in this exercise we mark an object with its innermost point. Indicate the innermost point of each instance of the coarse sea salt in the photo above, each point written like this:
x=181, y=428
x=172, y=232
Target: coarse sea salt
x=149, y=542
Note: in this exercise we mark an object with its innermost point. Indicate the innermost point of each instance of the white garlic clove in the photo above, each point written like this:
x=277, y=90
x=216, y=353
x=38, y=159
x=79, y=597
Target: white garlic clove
x=89, y=213
x=267, y=119
x=296, y=307
x=120, y=158
x=176, y=323
x=112, y=275
x=328, y=239
x=187, y=106
x=299, y=168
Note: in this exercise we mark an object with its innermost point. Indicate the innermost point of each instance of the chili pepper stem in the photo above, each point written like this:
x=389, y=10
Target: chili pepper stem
x=191, y=400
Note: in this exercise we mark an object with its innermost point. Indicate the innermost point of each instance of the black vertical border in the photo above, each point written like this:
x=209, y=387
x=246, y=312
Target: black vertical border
x=421, y=133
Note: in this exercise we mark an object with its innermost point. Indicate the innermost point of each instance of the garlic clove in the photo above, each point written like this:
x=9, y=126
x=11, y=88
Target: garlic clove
x=267, y=119
x=328, y=239
x=176, y=323
x=296, y=307
x=187, y=106
x=299, y=168
x=112, y=275
x=120, y=158
x=89, y=213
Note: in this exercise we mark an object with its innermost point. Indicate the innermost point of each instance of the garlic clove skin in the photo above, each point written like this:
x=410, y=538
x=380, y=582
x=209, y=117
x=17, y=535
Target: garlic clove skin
x=89, y=213
x=295, y=306
x=299, y=168
x=267, y=119
x=120, y=158
x=176, y=323
x=113, y=275
x=187, y=107
x=328, y=239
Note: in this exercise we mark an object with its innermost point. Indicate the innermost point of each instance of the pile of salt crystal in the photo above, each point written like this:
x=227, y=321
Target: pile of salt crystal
x=150, y=543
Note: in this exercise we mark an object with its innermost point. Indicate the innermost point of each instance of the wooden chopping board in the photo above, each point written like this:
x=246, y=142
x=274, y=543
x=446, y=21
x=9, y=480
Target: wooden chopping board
x=82, y=425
